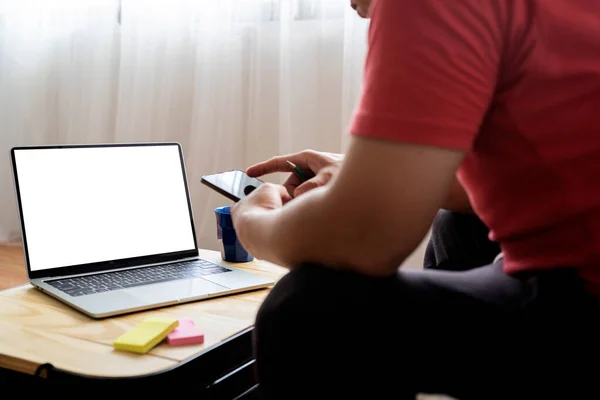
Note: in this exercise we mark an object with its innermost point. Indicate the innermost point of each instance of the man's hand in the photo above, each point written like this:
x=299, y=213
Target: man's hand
x=320, y=166
x=252, y=214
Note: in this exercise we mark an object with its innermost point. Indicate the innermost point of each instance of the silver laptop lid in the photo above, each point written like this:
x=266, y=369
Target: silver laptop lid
x=87, y=208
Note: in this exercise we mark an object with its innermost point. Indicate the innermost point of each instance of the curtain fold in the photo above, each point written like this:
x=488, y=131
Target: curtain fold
x=234, y=81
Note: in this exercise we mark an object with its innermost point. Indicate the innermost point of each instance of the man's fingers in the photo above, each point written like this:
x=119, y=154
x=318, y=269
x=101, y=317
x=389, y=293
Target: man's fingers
x=275, y=164
x=279, y=163
x=285, y=195
x=265, y=167
x=272, y=191
x=291, y=183
x=307, y=186
x=321, y=179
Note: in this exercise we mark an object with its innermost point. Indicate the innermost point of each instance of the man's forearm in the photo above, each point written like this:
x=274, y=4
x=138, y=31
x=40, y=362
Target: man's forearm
x=316, y=228
x=313, y=229
x=294, y=234
x=362, y=220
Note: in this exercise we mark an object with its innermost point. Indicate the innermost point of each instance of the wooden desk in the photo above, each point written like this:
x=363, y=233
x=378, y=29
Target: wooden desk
x=36, y=329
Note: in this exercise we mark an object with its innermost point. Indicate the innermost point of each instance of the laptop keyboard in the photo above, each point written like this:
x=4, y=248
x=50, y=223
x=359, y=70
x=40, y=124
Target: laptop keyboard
x=107, y=281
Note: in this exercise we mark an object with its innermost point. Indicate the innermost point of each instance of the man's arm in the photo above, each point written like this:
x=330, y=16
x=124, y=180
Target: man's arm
x=372, y=216
x=430, y=77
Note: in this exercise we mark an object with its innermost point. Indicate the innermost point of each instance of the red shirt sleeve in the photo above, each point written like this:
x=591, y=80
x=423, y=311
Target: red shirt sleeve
x=431, y=70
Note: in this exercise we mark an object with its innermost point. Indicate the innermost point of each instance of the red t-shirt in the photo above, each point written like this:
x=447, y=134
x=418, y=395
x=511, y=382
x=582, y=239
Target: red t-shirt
x=516, y=84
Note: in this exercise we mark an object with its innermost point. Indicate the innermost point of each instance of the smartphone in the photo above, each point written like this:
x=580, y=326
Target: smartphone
x=234, y=185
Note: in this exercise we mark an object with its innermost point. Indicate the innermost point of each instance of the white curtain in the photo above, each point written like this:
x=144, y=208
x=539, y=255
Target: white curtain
x=234, y=81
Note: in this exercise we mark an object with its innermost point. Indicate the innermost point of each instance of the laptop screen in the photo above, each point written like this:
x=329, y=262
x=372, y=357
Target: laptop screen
x=85, y=205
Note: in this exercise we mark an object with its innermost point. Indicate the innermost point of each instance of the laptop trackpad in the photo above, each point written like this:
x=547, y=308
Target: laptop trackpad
x=174, y=291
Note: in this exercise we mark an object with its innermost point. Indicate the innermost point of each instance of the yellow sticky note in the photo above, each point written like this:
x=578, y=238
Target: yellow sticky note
x=145, y=335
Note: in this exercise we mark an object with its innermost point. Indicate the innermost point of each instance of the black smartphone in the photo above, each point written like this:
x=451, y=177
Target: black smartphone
x=234, y=185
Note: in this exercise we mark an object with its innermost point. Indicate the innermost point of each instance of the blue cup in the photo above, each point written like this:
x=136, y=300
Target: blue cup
x=231, y=248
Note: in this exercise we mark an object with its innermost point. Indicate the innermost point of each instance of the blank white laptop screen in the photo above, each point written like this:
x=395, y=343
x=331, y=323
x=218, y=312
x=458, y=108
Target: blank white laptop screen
x=92, y=204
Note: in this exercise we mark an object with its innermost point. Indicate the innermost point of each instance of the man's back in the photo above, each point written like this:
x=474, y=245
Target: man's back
x=534, y=171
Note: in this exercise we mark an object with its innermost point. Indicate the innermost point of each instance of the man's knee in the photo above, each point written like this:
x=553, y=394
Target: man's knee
x=291, y=288
x=307, y=327
x=313, y=298
x=303, y=292
x=294, y=324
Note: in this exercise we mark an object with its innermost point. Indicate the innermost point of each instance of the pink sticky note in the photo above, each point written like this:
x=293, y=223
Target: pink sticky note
x=186, y=333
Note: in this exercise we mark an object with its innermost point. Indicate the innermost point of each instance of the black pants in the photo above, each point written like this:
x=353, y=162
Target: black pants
x=459, y=242
x=475, y=334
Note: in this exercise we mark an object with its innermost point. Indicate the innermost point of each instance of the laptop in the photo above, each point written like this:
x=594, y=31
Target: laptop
x=108, y=228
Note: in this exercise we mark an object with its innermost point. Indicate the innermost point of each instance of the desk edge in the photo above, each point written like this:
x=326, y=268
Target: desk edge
x=46, y=369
